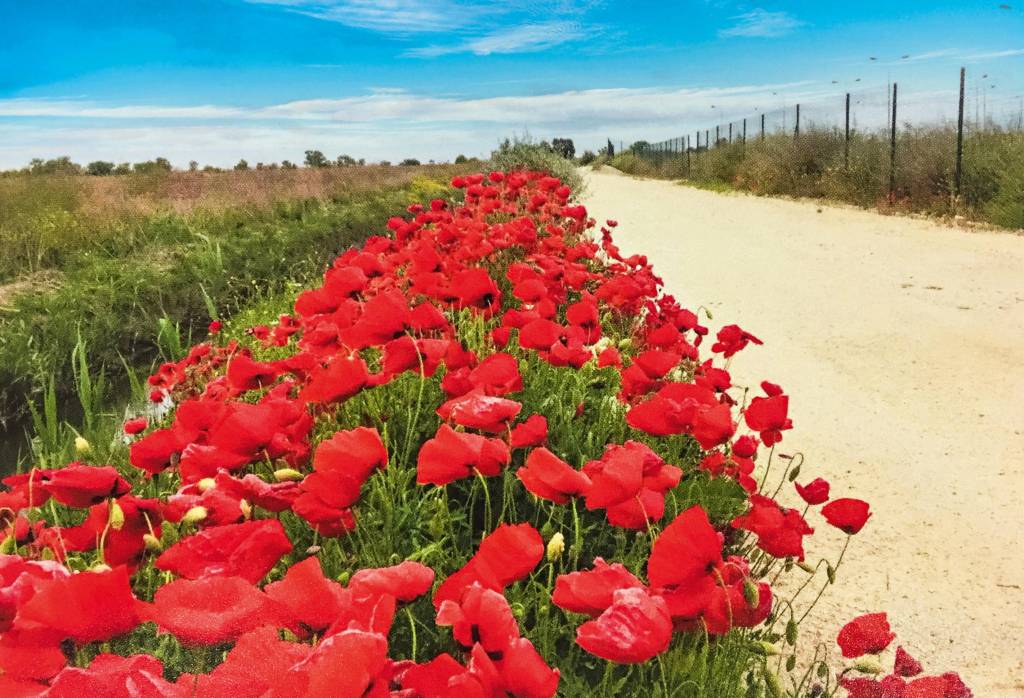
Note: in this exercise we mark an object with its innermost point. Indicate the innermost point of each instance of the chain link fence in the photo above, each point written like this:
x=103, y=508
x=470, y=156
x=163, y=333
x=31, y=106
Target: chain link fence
x=951, y=152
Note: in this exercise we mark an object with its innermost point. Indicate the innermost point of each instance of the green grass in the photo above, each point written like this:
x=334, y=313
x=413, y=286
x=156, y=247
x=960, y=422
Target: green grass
x=120, y=297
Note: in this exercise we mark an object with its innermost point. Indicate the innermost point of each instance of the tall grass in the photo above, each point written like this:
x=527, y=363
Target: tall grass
x=127, y=283
x=817, y=164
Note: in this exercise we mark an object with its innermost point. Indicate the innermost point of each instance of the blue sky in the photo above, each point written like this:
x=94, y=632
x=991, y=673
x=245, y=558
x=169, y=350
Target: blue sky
x=217, y=80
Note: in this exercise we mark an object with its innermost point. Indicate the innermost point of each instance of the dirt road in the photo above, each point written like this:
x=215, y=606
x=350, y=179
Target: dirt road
x=902, y=344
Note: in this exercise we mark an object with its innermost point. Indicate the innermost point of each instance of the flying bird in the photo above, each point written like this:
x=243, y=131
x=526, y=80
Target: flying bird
x=872, y=58
x=1005, y=7
x=905, y=56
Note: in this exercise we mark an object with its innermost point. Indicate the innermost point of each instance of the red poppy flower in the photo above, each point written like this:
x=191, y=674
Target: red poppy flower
x=109, y=675
x=814, y=492
x=656, y=363
x=474, y=288
x=308, y=599
x=351, y=457
x=253, y=667
x=540, y=334
x=906, y=665
x=346, y=664
x=728, y=607
x=506, y=555
x=432, y=679
x=867, y=634
x=122, y=545
x=210, y=610
x=245, y=374
x=848, y=515
x=476, y=410
x=767, y=415
x=248, y=550
x=481, y=615
x=532, y=432
x=498, y=374
x=343, y=378
x=687, y=550
x=451, y=456
x=592, y=591
x=135, y=426
x=524, y=672
x=779, y=531
x=549, y=477
x=405, y=581
x=630, y=504
x=732, y=339
x=80, y=485
x=85, y=607
x=634, y=629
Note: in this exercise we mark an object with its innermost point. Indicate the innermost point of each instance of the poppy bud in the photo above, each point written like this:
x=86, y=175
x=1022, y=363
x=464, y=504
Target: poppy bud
x=751, y=593
x=8, y=546
x=287, y=474
x=791, y=632
x=806, y=567
x=207, y=483
x=313, y=550
x=831, y=572
x=195, y=515
x=773, y=685
x=343, y=577
x=82, y=446
x=765, y=648
x=246, y=509
x=152, y=543
x=47, y=554
x=556, y=546
x=625, y=343
x=868, y=665
x=100, y=567
x=116, y=516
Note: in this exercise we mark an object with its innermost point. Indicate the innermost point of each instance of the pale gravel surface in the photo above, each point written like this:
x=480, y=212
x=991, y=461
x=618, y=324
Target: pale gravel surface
x=901, y=342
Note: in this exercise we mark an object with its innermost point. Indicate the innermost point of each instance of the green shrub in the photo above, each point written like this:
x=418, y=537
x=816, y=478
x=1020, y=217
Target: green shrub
x=525, y=154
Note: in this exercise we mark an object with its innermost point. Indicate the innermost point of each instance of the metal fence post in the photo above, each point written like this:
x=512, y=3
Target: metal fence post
x=892, y=146
x=846, y=147
x=687, y=156
x=796, y=132
x=718, y=135
x=959, y=172
x=730, y=133
x=707, y=139
x=744, y=130
x=762, y=127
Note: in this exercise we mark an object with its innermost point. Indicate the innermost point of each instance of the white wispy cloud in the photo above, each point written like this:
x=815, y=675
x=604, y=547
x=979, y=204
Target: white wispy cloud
x=389, y=16
x=992, y=55
x=525, y=38
x=383, y=124
x=761, y=23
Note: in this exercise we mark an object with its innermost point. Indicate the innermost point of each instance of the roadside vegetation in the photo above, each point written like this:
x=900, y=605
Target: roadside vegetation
x=118, y=263
x=815, y=165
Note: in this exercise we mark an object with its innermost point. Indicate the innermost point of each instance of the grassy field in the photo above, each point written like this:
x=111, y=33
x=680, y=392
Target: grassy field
x=815, y=165
x=129, y=266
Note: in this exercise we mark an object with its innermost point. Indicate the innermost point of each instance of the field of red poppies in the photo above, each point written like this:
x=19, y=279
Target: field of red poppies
x=487, y=457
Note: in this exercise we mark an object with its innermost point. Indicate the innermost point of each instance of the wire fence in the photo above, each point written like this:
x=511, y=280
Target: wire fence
x=953, y=151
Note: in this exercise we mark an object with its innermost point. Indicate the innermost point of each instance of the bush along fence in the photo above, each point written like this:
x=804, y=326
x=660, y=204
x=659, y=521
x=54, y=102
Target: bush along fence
x=958, y=152
x=486, y=457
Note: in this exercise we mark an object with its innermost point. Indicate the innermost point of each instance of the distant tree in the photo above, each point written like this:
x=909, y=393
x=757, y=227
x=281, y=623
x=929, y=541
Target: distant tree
x=640, y=146
x=385, y=163
x=362, y=161
x=345, y=161
x=193, y=166
x=409, y=162
x=99, y=168
x=461, y=159
x=544, y=145
x=62, y=165
x=242, y=165
x=564, y=147
x=157, y=166
x=587, y=157
x=211, y=168
x=288, y=165
x=123, y=169
x=314, y=158
x=260, y=166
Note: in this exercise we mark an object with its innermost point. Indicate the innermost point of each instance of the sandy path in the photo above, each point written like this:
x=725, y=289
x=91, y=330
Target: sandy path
x=902, y=344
